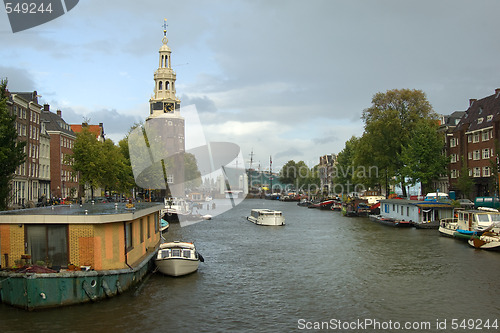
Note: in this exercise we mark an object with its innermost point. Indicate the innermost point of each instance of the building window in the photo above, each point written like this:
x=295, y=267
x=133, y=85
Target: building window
x=160, y=85
x=489, y=118
x=486, y=172
x=475, y=138
x=170, y=179
x=486, y=136
x=477, y=154
x=486, y=153
x=480, y=120
x=454, y=158
x=453, y=142
x=469, y=138
x=453, y=173
x=477, y=172
x=470, y=155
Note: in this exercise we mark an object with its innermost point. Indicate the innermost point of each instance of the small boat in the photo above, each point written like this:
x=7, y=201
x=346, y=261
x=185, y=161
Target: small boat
x=337, y=205
x=426, y=224
x=447, y=227
x=304, y=203
x=164, y=225
x=390, y=221
x=266, y=217
x=177, y=258
x=324, y=204
x=487, y=241
x=175, y=208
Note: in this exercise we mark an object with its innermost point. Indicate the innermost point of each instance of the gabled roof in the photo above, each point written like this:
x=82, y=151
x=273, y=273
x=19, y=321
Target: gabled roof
x=97, y=130
x=54, y=123
x=481, y=113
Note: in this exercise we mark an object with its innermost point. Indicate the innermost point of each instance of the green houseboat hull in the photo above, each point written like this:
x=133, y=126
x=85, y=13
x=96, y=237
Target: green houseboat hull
x=32, y=291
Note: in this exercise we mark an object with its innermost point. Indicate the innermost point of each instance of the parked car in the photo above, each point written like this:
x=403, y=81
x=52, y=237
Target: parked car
x=466, y=203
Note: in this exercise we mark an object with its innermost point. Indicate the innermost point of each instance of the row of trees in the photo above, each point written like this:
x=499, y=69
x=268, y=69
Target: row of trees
x=300, y=175
x=105, y=165
x=400, y=144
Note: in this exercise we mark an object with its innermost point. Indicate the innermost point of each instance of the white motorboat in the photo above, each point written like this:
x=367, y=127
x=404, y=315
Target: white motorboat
x=175, y=209
x=266, y=217
x=177, y=258
x=447, y=227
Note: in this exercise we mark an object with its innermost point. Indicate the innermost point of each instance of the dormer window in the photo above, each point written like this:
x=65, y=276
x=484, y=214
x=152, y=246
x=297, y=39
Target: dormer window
x=480, y=120
x=489, y=118
x=480, y=110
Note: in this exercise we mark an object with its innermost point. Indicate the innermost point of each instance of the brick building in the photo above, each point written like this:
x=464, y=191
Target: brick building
x=64, y=183
x=473, y=143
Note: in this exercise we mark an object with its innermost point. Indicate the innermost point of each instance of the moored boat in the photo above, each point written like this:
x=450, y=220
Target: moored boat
x=487, y=241
x=177, y=258
x=448, y=226
x=266, y=217
x=176, y=209
x=473, y=223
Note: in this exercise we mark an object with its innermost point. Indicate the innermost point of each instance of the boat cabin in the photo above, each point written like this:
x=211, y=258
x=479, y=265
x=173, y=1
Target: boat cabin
x=480, y=219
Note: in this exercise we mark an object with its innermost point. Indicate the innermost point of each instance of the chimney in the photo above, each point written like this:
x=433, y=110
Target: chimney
x=497, y=91
x=46, y=107
x=59, y=113
x=471, y=101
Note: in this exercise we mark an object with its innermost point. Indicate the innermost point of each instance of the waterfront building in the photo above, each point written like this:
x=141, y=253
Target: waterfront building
x=326, y=167
x=64, y=183
x=472, y=143
x=166, y=122
x=26, y=188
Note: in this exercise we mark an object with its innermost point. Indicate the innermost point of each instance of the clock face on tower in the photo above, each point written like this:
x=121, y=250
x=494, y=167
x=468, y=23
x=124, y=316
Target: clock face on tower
x=168, y=107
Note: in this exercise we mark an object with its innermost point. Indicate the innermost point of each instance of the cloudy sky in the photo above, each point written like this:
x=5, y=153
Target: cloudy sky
x=287, y=79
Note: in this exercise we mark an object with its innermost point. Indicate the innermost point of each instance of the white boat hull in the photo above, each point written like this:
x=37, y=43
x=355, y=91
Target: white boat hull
x=177, y=266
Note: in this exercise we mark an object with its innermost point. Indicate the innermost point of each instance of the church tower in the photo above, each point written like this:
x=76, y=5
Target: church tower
x=166, y=121
x=164, y=100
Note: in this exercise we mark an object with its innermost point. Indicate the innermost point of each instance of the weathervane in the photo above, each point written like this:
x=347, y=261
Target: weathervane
x=165, y=40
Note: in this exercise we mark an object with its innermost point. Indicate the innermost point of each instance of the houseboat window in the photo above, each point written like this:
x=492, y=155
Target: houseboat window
x=157, y=227
x=495, y=217
x=128, y=236
x=141, y=230
x=48, y=243
x=186, y=253
x=148, y=223
x=176, y=252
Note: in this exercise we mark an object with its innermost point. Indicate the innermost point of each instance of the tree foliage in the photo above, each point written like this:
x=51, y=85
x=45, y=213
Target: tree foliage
x=392, y=124
x=11, y=151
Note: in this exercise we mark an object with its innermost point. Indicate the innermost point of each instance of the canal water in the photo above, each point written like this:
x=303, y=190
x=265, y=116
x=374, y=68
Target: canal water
x=320, y=270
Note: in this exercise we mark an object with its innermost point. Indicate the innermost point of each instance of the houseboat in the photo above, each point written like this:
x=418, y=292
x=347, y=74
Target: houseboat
x=266, y=217
x=421, y=214
x=69, y=254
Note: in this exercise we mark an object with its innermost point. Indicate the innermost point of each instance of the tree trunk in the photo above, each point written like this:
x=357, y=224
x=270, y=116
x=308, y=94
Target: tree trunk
x=403, y=187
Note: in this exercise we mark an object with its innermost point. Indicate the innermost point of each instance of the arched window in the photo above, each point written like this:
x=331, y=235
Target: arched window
x=166, y=61
x=167, y=84
x=160, y=85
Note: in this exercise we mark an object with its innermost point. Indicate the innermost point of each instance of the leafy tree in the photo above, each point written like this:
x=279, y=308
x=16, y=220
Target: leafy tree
x=191, y=173
x=288, y=173
x=11, y=151
x=390, y=125
x=87, y=160
x=343, y=171
x=422, y=158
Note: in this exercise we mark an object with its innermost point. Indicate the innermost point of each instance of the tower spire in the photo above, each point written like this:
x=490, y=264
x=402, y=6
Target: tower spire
x=165, y=25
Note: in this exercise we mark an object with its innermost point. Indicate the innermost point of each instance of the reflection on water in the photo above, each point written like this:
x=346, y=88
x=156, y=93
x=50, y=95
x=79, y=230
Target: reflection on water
x=319, y=266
